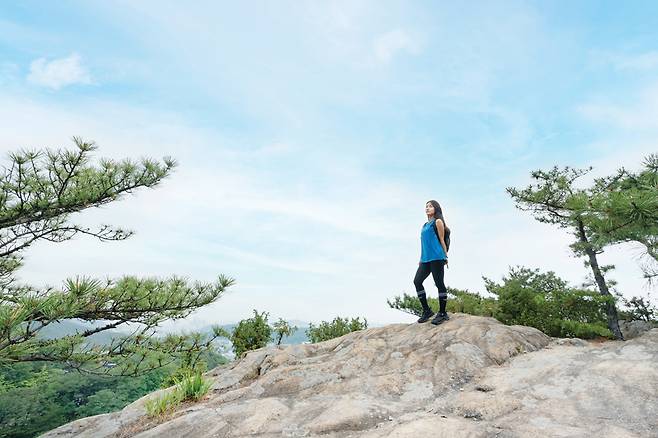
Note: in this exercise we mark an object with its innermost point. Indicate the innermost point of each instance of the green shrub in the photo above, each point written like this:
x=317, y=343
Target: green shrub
x=410, y=304
x=546, y=302
x=334, y=329
x=251, y=334
x=281, y=329
x=461, y=301
x=585, y=330
x=532, y=298
x=472, y=303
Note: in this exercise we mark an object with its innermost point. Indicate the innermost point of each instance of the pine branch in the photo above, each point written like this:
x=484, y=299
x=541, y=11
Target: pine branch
x=38, y=192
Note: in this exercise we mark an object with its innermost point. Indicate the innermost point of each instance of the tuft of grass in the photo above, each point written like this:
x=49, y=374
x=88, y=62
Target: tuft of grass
x=192, y=386
x=160, y=406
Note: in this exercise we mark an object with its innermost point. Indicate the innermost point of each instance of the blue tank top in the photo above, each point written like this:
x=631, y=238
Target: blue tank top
x=430, y=247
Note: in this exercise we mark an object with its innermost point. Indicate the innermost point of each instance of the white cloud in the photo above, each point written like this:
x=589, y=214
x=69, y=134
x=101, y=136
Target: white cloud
x=276, y=148
x=301, y=229
x=628, y=134
x=59, y=72
x=298, y=254
x=644, y=61
x=8, y=72
x=641, y=114
x=388, y=45
x=628, y=62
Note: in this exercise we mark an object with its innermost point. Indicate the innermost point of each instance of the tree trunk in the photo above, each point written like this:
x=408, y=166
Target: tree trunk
x=611, y=310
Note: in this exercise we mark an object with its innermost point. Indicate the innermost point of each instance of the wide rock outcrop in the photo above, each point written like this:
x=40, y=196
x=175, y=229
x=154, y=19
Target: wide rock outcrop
x=470, y=377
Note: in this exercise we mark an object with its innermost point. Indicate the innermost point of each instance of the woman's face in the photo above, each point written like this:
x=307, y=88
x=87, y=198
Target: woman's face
x=429, y=209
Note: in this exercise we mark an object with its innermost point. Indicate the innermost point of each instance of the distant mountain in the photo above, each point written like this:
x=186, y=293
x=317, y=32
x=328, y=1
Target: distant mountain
x=70, y=327
x=224, y=346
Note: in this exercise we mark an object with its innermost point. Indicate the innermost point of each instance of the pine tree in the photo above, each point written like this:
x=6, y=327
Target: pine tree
x=282, y=328
x=626, y=210
x=554, y=199
x=39, y=191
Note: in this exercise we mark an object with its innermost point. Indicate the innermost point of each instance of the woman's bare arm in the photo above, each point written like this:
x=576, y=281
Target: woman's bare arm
x=441, y=229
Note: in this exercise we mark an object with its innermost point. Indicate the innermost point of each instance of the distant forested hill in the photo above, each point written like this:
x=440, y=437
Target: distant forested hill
x=70, y=327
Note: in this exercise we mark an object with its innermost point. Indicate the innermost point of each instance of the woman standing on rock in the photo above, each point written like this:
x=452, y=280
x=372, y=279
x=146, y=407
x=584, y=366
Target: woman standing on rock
x=433, y=258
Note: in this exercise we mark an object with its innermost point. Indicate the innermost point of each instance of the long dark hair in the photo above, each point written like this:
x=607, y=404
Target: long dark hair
x=438, y=212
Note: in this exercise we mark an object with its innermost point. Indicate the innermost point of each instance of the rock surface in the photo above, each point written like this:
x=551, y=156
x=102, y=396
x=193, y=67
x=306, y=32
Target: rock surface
x=469, y=377
x=633, y=329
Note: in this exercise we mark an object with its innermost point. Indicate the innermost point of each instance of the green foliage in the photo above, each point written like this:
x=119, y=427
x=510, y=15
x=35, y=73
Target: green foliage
x=544, y=301
x=42, y=396
x=625, y=209
x=639, y=308
x=40, y=386
x=251, y=333
x=411, y=304
x=39, y=191
x=470, y=302
x=29, y=411
x=190, y=387
x=193, y=386
x=336, y=328
x=584, y=330
x=192, y=364
x=554, y=198
x=281, y=329
x=461, y=301
x=102, y=401
x=159, y=406
x=527, y=297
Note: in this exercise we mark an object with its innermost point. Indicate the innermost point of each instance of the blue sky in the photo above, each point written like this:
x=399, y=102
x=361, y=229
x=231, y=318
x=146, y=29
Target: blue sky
x=310, y=135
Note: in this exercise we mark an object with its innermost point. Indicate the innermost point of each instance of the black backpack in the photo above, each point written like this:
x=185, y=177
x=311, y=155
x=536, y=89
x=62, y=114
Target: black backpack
x=446, y=235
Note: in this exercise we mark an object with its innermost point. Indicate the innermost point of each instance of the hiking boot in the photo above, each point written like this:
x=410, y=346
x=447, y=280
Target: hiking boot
x=440, y=318
x=427, y=314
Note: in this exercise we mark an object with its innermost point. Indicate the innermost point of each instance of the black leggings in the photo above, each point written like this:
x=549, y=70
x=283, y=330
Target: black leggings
x=436, y=268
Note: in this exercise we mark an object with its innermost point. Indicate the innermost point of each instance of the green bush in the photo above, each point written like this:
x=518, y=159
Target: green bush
x=472, y=303
x=461, y=301
x=546, y=302
x=532, y=298
x=281, y=329
x=410, y=304
x=334, y=329
x=251, y=334
x=585, y=330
